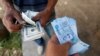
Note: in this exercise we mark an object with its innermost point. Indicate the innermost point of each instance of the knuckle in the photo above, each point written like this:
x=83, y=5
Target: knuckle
x=11, y=28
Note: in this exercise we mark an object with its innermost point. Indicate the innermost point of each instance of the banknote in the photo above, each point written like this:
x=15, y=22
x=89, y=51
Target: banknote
x=79, y=47
x=32, y=30
x=63, y=30
x=66, y=31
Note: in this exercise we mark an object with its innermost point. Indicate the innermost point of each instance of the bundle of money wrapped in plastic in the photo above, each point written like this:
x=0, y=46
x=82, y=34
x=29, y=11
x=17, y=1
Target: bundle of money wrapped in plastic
x=32, y=30
x=66, y=30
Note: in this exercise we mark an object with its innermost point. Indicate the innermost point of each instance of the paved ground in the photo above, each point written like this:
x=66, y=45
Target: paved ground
x=29, y=49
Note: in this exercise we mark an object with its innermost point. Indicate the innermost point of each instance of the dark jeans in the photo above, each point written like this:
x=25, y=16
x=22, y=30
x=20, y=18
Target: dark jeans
x=40, y=41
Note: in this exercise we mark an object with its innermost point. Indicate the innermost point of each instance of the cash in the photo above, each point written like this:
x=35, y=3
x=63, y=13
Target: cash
x=66, y=31
x=32, y=30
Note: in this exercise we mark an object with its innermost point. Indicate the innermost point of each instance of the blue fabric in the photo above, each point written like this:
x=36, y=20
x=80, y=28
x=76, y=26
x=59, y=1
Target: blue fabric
x=36, y=5
x=31, y=2
x=40, y=41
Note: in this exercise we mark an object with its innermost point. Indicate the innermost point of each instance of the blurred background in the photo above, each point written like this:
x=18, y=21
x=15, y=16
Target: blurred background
x=87, y=14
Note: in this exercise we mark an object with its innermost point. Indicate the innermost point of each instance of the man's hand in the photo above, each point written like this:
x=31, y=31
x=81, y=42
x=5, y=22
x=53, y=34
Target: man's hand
x=10, y=21
x=43, y=17
x=55, y=49
x=12, y=18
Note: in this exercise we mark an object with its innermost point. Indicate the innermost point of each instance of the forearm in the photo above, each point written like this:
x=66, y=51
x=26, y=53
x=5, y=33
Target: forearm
x=56, y=54
x=6, y=4
x=51, y=4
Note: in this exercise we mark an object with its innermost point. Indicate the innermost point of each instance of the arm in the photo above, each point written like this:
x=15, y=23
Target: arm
x=51, y=5
x=44, y=16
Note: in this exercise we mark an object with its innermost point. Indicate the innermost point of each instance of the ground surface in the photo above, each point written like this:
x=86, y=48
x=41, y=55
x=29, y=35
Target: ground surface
x=87, y=14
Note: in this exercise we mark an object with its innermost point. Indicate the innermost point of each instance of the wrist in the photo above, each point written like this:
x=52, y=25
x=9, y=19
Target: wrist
x=49, y=9
x=8, y=7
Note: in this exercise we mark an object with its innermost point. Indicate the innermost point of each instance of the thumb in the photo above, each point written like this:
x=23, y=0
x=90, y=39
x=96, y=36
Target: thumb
x=67, y=45
x=75, y=54
x=54, y=39
x=36, y=18
x=19, y=18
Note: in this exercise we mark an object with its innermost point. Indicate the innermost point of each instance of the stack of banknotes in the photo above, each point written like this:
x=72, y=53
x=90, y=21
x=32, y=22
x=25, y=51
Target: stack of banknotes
x=32, y=30
x=66, y=30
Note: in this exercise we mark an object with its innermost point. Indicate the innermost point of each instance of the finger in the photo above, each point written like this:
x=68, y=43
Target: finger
x=53, y=42
x=36, y=18
x=6, y=20
x=76, y=54
x=43, y=23
x=15, y=27
x=67, y=44
x=19, y=18
x=54, y=39
x=11, y=26
x=6, y=24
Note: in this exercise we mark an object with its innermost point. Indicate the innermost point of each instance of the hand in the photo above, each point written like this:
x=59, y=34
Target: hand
x=75, y=54
x=55, y=49
x=12, y=20
x=43, y=17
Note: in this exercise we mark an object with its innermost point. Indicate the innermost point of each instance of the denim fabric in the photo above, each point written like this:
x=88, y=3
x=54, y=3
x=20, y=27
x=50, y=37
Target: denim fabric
x=40, y=41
